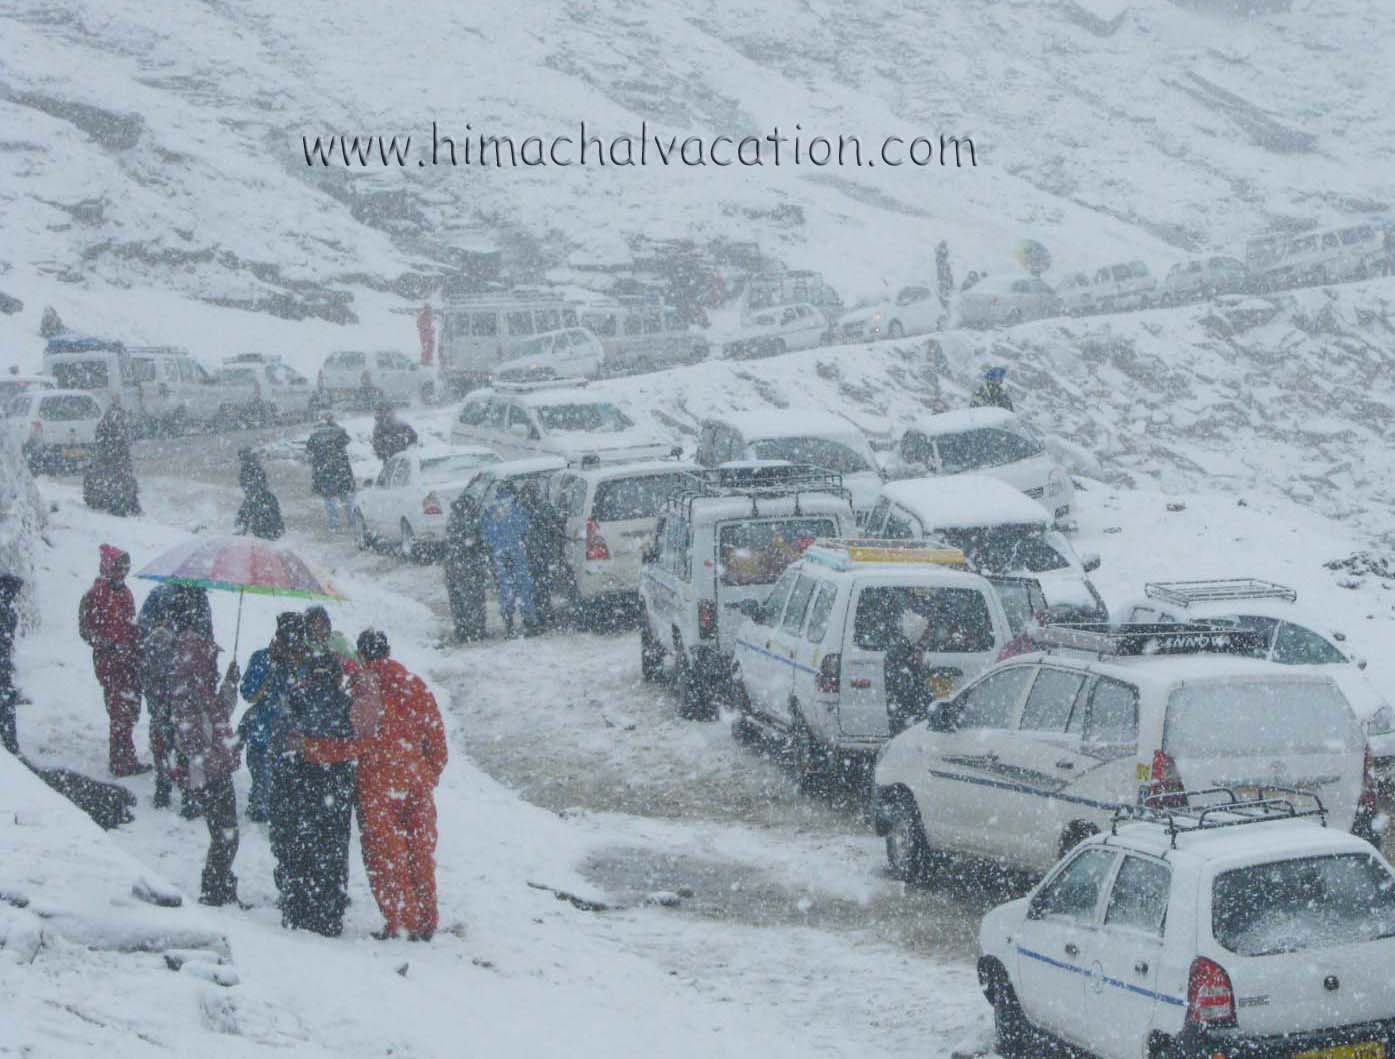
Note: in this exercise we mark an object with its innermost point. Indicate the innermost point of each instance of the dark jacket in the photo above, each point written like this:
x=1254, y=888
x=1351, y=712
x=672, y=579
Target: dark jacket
x=331, y=474
x=266, y=686
x=318, y=700
x=201, y=710
x=991, y=395
x=260, y=515
x=391, y=436
x=908, y=694
x=465, y=547
x=109, y=482
x=9, y=623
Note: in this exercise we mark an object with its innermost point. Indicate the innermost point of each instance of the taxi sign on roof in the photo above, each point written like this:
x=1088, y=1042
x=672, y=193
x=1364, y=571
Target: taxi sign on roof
x=842, y=553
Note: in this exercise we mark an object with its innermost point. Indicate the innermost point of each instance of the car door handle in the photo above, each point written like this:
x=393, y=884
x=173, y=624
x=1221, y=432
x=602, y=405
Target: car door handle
x=1065, y=764
x=1072, y=949
x=1141, y=967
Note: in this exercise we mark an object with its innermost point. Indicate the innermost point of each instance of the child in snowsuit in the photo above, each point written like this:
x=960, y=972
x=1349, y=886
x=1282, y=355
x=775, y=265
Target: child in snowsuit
x=106, y=622
x=504, y=525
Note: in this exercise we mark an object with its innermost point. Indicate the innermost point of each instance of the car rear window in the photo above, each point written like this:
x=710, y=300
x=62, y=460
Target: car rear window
x=588, y=418
x=68, y=408
x=756, y=553
x=823, y=453
x=1304, y=903
x=1236, y=718
x=959, y=618
x=986, y=447
x=346, y=361
x=621, y=499
x=82, y=375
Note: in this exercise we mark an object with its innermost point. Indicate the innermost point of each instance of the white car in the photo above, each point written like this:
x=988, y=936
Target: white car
x=991, y=441
x=778, y=329
x=1126, y=286
x=56, y=429
x=1202, y=932
x=1290, y=638
x=573, y=352
x=400, y=378
x=564, y=419
x=811, y=657
x=610, y=513
x=1000, y=529
x=812, y=437
x=1002, y=301
x=1033, y=756
x=717, y=546
x=409, y=502
x=14, y=384
x=259, y=391
x=914, y=311
x=1204, y=278
x=1077, y=293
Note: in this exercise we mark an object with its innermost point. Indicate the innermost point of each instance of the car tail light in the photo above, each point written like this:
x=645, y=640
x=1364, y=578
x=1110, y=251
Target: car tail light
x=1210, y=998
x=36, y=429
x=707, y=618
x=830, y=677
x=1165, y=789
x=431, y=504
x=595, y=544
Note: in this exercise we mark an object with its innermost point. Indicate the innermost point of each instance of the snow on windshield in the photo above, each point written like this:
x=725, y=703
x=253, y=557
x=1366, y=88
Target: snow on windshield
x=1006, y=549
x=583, y=418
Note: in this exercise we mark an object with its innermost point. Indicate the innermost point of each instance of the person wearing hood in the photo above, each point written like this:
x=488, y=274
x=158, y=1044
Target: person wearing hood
x=991, y=393
x=263, y=728
x=543, y=546
x=10, y=586
x=331, y=473
x=504, y=526
x=260, y=513
x=201, y=710
x=390, y=434
x=908, y=693
x=466, y=565
x=106, y=622
x=109, y=482
x=165, y=611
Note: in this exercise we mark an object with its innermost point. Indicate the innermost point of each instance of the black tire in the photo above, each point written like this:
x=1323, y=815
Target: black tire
x=694, y=697
x=1016, y=1038
x=362, y=537
x=651, y=652
x=908, y=852
x=809, y=757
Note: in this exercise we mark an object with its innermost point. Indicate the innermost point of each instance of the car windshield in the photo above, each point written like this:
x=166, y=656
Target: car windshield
x=594, y=418
x=958, y=618
x=1301, y=904
x=239, y=376
x=823, y=453
x=1251, y=718
x=621, y=499
x=461, y=464
x=1006, y=549
x=756, y=553
x=991, y=447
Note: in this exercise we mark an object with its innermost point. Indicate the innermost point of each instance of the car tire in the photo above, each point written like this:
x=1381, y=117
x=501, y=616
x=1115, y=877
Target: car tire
x=651, y=652
x=407, y=546
x=1016, y=1038
x=809, y=757
x=895, y=330
x=908, y=852
x=694, y=697
x=362, y=537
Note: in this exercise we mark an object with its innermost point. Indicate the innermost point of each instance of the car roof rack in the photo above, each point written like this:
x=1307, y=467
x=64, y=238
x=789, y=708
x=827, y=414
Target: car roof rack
x=1133, y=639
x=756, y=482
x=1177, y=814
x=1185, y=593
x=843, y=553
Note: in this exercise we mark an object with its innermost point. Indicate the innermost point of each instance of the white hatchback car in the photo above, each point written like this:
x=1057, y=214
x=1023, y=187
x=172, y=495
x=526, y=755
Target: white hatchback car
x=1216, y=931
x=1204, y=278
x=914, y=311
x=409, y=502
x=397, y=375
x=1002, y=301
x=776, y=330
x=572, y=352
x=991, y=441
x=55, y=429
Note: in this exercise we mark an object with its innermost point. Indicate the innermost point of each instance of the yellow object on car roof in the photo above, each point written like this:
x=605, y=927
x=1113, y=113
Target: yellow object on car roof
x=845, y=552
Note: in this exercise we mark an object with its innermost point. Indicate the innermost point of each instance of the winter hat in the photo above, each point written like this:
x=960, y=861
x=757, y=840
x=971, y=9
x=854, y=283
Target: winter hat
x=995, y=374
x=913, y=624
x=110, y=557
x=372, y=645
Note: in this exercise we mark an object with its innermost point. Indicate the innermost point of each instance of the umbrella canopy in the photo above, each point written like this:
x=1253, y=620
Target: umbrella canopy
x=240, y=564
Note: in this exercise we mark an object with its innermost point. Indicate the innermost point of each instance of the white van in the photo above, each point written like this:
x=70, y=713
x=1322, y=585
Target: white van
x=572, y=352
x=481, y=331
x=642, y=336
x=1317, y=257
x=160, y=386
x=398, y=377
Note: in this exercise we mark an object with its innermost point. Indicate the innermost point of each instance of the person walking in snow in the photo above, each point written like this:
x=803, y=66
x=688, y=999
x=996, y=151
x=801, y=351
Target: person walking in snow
x=331, y=474
x=504, y=525
x=263, y=728
x=109, y=482
x=543, y=543
x=390, y=434
x=106, y=622
x=467, y=565
x=161, y=615
x=9, y=624
x=260, y=513
x=991, y=392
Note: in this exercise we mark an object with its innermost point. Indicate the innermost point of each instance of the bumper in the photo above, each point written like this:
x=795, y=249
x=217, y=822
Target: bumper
x=1228, y=1045
x=593, y=582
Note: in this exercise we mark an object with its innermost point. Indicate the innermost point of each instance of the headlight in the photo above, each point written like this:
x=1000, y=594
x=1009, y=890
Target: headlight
x=1381, y=722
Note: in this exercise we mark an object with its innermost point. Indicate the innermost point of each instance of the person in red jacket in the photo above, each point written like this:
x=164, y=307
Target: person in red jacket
x=107, y=623
x=400, y=747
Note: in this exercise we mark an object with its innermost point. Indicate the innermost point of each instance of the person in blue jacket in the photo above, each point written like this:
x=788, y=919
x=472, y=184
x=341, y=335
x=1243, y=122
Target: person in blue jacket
x=504, y=525
x=263, y=727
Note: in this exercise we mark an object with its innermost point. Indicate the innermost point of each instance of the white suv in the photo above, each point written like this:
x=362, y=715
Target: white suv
x=811, y=658
x=1224, y=930
x=1035, y=754
x=720, y=543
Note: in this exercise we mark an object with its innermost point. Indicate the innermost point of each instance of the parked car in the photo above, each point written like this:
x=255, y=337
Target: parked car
x=802, y=436
x=349, y=375
x=719, y=544
x=1002, y=301
x=566, y=418
x=914, y=311
x=999, y=529
x=991, y=441
x=610, y=512
x=1204, y=278
x=14, y=384
x=811, y=657
x=1213, y=930
x=1317, y=257
x=1291, y=637
x=409, y=501
x=254, y=389
x=572, y=352
x=55, y=429
x=1125, y=286
x=779, y=329
x=1077, y=293
x=643, y=335
x=479, y=331
x=1032, y=757
x=162, y=387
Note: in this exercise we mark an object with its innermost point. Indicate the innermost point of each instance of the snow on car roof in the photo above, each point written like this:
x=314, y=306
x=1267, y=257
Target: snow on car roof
x=638, y=469
x=965, y=500
x=789, y=423
x=525, y=465
x=442, y=452
x=1229, y=608
x=964, y=419
x=1233, y=846
x=1161, y=671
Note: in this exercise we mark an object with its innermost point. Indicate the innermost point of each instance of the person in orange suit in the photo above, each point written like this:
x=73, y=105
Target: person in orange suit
x=400, y=747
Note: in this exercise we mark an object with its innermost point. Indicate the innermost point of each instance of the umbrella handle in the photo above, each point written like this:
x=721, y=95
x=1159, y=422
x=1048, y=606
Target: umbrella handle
x=237, y=635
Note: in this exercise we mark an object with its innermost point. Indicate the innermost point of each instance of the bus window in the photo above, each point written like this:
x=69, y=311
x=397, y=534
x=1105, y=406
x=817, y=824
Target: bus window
x=520, y=323
x=484, y=325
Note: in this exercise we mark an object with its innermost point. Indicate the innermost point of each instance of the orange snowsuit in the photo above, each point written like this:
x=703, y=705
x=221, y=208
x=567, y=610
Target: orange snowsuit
x=399, y=765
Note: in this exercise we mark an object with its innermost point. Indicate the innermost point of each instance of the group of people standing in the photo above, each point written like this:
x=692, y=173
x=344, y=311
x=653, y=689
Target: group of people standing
x=330, y=729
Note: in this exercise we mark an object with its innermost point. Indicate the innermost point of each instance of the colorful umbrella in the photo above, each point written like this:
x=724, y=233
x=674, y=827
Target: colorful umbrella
x=1032, y=256
x=241, y=565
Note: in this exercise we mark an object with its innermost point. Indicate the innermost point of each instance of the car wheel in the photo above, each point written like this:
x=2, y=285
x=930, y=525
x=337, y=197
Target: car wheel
x=1010, y=1024
x=362, y=537
x=895, y=330
x=811, y=761
x=651, y=652
x=694, y=697
x=408, y=546
x=907, y=850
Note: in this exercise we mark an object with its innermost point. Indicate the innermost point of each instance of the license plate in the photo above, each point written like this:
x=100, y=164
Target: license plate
x=1365, y=1050
x=74, y=453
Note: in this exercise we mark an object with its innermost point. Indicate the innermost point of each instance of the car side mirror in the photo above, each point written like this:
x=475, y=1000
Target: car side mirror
x=1090, y=562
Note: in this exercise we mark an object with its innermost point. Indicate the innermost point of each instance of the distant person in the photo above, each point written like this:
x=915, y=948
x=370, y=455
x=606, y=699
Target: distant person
x=260, y=513
x=107, y=623
x=504, y=525
x=543, y=544
x=467, y=568
x=390, y=434
x=331, y=473
x=10, y=586
x=908, y=693
x=109, y=482
x=991, y=392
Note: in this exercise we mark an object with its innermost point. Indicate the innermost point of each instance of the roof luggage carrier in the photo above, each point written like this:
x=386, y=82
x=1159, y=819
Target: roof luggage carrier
x=756, y=482
x=842, y=553
x=1150, y=638
x=1185, y=593
x=1176, y=812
